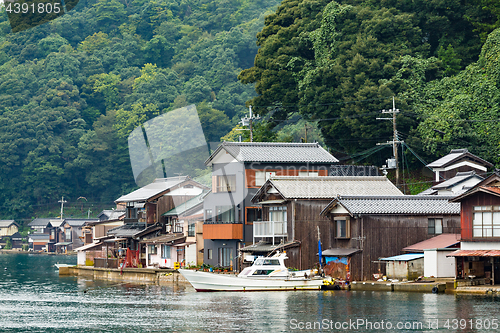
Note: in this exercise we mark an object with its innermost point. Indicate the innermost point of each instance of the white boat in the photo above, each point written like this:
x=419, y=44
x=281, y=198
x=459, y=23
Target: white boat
x=58, y=265
x=266, y=273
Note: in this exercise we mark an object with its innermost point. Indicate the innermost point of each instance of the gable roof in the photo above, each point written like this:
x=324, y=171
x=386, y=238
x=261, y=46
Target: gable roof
x=132, y=230
x=111, y=214
x=489, y=185
x=39, y=222
x=7, y=223
x=79, y=222
x=165, y=239
x=438, y=242
x=403, y=204
x=459, y=177
x=278, y=152
x=156, y=189
x=326, y=187
x=458, y=154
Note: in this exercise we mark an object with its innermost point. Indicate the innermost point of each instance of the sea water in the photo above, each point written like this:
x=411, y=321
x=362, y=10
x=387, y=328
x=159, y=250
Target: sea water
x=33, y=298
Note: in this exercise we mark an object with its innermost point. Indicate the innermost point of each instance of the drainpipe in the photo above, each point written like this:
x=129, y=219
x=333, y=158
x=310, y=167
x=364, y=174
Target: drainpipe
x=362, y=252
x=293, y=218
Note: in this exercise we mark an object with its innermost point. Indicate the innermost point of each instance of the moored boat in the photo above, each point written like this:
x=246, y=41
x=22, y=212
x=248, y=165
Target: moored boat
x=266, y=273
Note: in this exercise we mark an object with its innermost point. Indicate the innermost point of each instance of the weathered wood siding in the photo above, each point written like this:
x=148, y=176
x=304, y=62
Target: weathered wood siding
x=306, y=215
x=386, y=235
x=467, y=213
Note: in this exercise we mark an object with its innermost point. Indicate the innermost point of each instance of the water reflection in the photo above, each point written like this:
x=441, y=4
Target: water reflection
x=33, y=297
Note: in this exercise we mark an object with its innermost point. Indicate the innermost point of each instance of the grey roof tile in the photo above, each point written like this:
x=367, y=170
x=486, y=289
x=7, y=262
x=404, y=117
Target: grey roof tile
x=460, y=177
x=455, y=155
x=7, y=223
x=277, y=152
x=158, y=186
x=407, y=204
x=333, y=186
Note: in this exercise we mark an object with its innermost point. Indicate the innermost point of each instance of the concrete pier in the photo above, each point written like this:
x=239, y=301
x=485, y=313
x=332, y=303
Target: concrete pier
x=135, y=275
x=399, y=286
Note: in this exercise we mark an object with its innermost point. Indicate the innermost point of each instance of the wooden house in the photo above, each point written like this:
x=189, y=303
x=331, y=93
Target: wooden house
x=239, y=169
x=187, y=219
x=458, y=160
x=71, y=234
x=40, y=225
x=478, y=260
x=367, y=228
x=147, y=204
x=291, y=214
x=8, y=228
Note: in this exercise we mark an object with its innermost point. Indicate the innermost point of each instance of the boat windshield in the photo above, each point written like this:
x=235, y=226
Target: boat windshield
x=265, y=262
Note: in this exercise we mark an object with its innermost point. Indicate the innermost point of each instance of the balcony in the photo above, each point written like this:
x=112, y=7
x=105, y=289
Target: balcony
x=222, y=230
x=269, y=229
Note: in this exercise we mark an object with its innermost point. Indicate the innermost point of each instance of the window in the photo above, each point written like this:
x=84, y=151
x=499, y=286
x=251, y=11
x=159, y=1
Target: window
x=435, y=226
x=225, y=214
x=262, y=176
x=225, y=256
x=152, y=249
x=165, y=251
x=208, y=216
x=277, y=213
x=342, y=227
x=178, y=226
x=191, y=229
x=68, y=234
x=209, y=254
x=308, y=174
x=254, y=214
x=486, y=222
x=225, y=183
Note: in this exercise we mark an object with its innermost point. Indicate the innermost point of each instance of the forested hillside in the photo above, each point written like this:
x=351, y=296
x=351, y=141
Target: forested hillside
x=73, y=89
x=339, y=64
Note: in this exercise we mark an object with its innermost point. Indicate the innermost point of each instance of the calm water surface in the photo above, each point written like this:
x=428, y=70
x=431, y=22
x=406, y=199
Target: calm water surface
x=33, y=298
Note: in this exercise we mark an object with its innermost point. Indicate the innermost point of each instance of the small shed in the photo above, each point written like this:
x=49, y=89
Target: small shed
x=405, y=266
x=436, y=250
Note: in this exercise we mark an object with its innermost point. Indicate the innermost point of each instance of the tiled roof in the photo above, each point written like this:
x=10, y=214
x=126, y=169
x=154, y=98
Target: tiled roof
x=39, y=222
x=460, y=177
x=7, y=223
x=112, y=214
x=276, y=152
x=157, y=187
x=455, y=155
x=127, y=230
x=164, y=239
x=438, y=242
x=407, y=204
x=330, y=187
x=79, y=222
x=493, y=190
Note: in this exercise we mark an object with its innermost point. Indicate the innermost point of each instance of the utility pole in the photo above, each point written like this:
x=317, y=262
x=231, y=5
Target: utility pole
x=395, y=141
x=62, y=201
x=247, y=121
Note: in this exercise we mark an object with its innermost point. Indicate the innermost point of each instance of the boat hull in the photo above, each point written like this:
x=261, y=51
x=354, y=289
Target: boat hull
x=203, y=281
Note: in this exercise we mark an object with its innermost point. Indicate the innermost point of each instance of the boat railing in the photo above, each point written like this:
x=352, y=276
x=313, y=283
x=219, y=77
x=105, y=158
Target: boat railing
x=269, y=229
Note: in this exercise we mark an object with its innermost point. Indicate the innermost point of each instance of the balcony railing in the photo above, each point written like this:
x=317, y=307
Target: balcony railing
x=213, y=221
x=269, y=229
